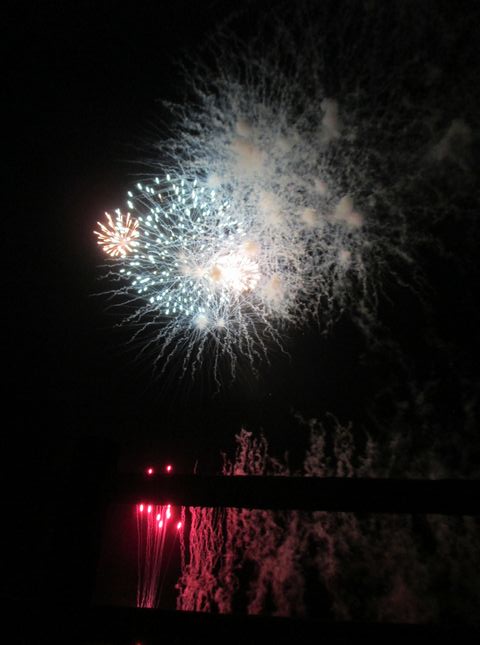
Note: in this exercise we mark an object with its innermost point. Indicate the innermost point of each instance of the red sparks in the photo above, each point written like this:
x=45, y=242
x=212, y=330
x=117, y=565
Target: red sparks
x=155, y=532
x=150, y=471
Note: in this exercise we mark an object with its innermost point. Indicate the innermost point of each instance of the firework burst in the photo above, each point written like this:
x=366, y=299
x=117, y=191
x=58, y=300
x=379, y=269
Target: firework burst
x=200, y=276
x=301, y=187
x=118, y=236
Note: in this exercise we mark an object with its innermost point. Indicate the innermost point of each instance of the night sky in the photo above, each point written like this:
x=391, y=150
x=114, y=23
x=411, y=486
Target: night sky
x=84, y=86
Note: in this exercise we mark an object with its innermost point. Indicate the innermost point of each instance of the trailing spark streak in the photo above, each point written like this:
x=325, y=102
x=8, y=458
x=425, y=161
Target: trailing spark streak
x=155, y=543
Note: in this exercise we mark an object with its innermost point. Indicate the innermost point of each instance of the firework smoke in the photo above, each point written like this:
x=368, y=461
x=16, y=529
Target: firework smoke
x=397, y=568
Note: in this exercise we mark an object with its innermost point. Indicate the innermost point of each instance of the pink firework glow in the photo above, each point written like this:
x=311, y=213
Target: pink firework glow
x=158, y=528
x=157, y=540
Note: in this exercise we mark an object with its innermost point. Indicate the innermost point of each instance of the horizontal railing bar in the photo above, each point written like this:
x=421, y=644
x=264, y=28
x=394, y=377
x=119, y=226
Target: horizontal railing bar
x=451, y=497
x=455, y=497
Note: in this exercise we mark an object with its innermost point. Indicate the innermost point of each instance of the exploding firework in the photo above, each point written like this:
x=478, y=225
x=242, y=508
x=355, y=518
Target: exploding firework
x=117, y=237
x=302, y=188
x=307, y=175
x=155, y=545
x=202, y=277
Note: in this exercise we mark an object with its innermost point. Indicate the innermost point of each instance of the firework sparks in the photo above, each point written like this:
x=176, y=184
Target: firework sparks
x=155, y=543
x=118, y=236
x=200, y=275
x=282, y=205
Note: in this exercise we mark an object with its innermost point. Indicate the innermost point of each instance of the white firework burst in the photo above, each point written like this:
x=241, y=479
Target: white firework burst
x=295, y=177
x=302, y=186
x=331, y=165
x=200, y=277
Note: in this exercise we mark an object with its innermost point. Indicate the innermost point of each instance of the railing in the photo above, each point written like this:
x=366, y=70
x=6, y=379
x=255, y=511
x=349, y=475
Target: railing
x=82, y=497
x=451, y=497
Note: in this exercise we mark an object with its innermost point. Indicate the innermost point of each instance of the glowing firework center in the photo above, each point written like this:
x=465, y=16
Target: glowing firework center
x=235, y=271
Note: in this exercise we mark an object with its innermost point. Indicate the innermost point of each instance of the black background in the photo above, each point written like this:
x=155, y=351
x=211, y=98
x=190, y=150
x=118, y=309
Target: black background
x=85, y=85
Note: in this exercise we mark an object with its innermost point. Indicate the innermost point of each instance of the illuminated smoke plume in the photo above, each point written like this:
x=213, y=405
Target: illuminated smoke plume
x=349, y=567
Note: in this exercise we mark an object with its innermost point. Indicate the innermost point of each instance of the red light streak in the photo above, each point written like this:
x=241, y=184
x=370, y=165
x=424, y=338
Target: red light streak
x=156, y=541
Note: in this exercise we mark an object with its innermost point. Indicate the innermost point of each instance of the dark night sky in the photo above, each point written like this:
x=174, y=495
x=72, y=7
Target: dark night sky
x=85, y=89
x=84, y=85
